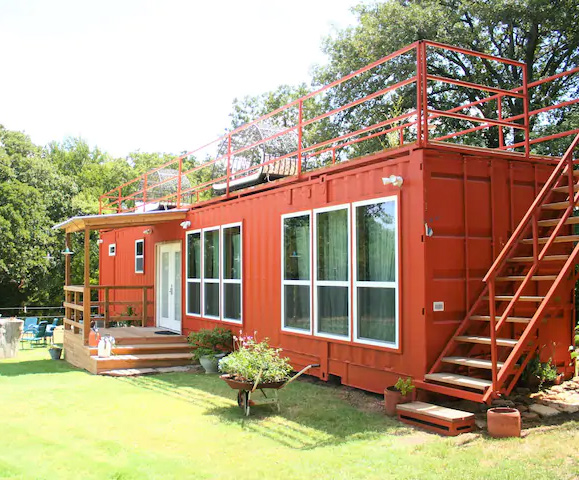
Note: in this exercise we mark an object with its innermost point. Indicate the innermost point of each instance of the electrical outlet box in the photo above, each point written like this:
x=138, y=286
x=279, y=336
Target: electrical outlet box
x=438, y=306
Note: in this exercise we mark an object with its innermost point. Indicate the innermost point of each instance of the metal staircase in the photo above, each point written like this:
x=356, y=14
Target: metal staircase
x=524, y=286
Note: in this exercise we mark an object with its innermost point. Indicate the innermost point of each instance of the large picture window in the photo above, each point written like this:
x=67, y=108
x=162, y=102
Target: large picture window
x=296, y=260
x=214, y=273
x=376, y=272
x=193, y=271
x=332, y=275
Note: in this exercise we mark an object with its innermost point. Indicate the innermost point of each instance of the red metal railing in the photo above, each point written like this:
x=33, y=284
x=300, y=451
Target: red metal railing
x=192, y=176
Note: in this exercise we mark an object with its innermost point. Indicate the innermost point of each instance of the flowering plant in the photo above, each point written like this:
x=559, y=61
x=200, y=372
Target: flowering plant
x=252, y=359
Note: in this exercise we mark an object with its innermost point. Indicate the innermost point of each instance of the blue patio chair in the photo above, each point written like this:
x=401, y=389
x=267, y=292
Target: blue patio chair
x=57, y=321
x=30, y=322
x=36, y=335
x=49, y=329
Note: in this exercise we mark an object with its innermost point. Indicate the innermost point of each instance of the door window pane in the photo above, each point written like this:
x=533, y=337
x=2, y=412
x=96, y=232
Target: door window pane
x=333, y=310
x=232, y=252
x=211, y=291
x=296, y=238
x=139, y=265
x=194, y=298
x=232, y=301
x=377, y=314
x=332, y=245
x=177, y=286
x=297, y=307
x=165, y=284
x=194, y=255
x=376, y=242
x=139, y=247
x=211, y=254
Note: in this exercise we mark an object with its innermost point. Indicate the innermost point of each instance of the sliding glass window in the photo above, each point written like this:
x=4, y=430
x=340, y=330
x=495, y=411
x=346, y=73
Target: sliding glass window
x=211, y=303
x=232, y=264
x=376, y=272
x=296, y=241
x=332, y=272
x=193, y=259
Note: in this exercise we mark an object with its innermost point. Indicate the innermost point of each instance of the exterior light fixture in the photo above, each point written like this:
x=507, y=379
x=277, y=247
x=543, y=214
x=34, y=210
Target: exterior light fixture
x=185, y=225
x=100, y=240
x=393, y=180
x=148, y=231
x=67, y=251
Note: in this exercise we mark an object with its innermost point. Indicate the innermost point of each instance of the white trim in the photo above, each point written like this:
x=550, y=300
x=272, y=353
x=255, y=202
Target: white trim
x=193, y=280
x=285, y=282
x=210, y=280
x=231, y=281
x=142, y=256
x=157, y=261
x=343, y=283
x=112, y=249
x=369, y=284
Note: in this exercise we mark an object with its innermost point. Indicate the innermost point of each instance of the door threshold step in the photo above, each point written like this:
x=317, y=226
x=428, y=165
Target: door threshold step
x=459, y=380
x=560, y=239
x=501, y=342
x=472, y=362
x=547, y=258
x=487, y=318
x=442, y=420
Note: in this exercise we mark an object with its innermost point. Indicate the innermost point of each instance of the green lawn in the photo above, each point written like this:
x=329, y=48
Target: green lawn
x=60, y=422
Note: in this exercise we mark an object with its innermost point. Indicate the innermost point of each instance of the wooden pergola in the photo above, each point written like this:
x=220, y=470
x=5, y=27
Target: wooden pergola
x=72, y=302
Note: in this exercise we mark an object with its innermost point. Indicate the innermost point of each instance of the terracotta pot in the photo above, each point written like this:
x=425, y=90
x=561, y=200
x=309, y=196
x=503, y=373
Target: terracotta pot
x=504, y=422
x=393, y=397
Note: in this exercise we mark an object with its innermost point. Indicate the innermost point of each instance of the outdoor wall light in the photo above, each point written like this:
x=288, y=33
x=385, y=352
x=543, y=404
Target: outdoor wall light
x=186, y=224
x=148, y=231
x=394, y=180
x=100, y=240
x=67, y=251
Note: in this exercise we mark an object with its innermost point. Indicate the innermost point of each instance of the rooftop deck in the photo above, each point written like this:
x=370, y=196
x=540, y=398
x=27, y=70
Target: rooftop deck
x=408, y=99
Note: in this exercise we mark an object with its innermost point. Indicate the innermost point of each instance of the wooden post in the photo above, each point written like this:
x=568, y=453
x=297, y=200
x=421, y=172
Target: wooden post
x=107, y=306
x=144, y=315
x=67, y=294
x=86, y=293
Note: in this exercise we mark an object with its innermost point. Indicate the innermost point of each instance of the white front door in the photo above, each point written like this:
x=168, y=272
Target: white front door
x=169, y=286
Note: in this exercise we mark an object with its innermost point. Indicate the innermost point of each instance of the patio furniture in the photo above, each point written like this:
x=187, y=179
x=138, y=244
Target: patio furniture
x=30, y=322
x=35, y=335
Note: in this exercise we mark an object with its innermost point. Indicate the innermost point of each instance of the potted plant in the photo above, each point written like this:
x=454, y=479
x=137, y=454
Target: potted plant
x=400, y=392
x=210, y=346
x=253, y=361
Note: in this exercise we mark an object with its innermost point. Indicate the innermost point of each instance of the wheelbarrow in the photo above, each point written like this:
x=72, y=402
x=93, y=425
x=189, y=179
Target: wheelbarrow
x=246, y=389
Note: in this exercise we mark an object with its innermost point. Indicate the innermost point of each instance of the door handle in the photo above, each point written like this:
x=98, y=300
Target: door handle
x=171, y=290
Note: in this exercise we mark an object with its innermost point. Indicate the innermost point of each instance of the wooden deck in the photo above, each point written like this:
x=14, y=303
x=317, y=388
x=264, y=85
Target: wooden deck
x=135, y=347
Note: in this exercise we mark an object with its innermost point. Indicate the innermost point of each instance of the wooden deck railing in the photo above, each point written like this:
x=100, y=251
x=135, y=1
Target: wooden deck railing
x=78, y=305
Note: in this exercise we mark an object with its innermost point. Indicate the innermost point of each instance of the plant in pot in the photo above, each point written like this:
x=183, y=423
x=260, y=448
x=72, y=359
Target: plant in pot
x=400, y=392
x=210, y=346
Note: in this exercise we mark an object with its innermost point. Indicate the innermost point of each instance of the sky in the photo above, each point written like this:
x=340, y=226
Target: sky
x=151, y=75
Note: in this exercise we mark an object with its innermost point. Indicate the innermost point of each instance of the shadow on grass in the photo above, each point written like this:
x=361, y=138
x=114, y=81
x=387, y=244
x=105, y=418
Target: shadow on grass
x=33, y=367
x=311, y=416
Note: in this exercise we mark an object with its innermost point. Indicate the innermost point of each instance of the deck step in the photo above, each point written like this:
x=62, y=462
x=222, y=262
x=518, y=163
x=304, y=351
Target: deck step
x=487, y=318
x=565, y=188
x=551, y=222
x=459, y=380
x=520, y=278
x=142, y=360
x=522, y=298
x=555, y=206
x=560, y=239
x=472, y=362
x=502, y=342
x=147, y=348
x=547, y=258
x=446, y=421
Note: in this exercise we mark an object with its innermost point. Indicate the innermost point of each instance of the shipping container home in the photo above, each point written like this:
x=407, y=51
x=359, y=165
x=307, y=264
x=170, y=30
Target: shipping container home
x=393, y=246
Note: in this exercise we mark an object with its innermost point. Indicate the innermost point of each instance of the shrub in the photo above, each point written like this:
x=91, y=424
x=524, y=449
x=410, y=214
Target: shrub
x=404, y=385
x=210, y=342
x=251, y=357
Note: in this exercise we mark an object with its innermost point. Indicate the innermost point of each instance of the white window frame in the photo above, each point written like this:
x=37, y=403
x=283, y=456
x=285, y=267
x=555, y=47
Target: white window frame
x=332, y=283
x=285, y=282
x=142, y=256
x=193, y=280
x=234, y=281
x=112, y=249
x=210, y=280
x=370, y=284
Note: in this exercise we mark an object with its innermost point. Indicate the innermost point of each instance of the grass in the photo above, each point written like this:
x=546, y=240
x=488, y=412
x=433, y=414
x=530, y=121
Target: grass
x=60, y=422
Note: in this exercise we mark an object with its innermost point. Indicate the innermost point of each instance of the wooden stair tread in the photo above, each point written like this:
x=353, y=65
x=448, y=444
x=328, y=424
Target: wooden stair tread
x=472, y=362
x=547, y=258
x=559, y=239
x=551, y=222
x=487, y=318
x=503, y=342
x=435, y=411
x=520, y=278
x=555, y=205
x=565, y=188
x=460, y=380
x=146, y=356
x=522, y=298
x=124, y=349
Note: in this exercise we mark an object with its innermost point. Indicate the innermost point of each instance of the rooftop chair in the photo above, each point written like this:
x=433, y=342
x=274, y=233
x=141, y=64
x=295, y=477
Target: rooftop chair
x=36, y=335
